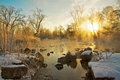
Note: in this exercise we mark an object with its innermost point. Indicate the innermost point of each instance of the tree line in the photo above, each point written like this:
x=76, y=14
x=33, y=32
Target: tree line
x=18, y=30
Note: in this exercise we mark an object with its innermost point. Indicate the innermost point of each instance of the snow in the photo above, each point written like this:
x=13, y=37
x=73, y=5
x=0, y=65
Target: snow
x=13, y=66
x=108, y=68
x=72, y=54
x=11, y=58
x=88, y=52
x=101, y=56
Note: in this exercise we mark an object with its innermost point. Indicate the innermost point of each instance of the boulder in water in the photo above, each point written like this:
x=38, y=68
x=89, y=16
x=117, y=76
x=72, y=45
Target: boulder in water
x=13, y=71
x=39, y=57
x=70, y=57
x=51, y=52
x=62, y=60
x=48, y=54
x=59, y=66
x=88, y=48
x=27, y=50
x=86, y=55
x=41, y=50
x=33, y=51
x=17, y=62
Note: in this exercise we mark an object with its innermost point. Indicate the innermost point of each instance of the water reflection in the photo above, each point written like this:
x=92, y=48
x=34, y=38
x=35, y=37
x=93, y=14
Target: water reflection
x=84, y=65
x=72, y=64
x=63, y=62
x=59, y=66
x=69, y=59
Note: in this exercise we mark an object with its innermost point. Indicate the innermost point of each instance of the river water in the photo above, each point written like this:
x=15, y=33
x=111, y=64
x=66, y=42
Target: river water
x=73, y=71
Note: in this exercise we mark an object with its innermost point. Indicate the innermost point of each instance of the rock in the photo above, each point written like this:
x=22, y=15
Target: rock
x=27, y=50
x=72, y=64
x=86, y=55
x=87, y=52
x=13, y=71
x=48, y=54
x=83, y=52
x=59, y=66
x=41, y=50
x=70, y=57
x=62, y=60
x=108, y=69
x=34, y=62
x=33, y=51
x=17, y=62
x=88, y=48
x=51, y=52
x=44, y=65
x=37, y=54
x=39, y=57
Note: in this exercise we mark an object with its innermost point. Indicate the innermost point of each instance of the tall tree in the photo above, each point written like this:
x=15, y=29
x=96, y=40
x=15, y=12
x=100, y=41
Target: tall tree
x=111, y=18
x=10, y=17
x=36, y=20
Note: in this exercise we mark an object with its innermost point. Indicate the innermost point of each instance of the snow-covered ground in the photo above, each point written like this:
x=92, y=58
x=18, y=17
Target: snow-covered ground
x=9, y=58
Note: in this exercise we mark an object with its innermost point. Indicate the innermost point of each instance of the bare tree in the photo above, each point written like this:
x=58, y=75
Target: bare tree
x=118, y=2
x=10, y=18
x=36, y=19
x=77, y=13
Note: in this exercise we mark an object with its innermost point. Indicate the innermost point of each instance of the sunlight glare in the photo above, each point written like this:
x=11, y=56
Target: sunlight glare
x=93, y=27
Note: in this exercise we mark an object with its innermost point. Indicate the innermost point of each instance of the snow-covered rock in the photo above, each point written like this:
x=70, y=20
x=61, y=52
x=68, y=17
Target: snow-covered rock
x=13, y=71
x=88, y=52
x=86, y=55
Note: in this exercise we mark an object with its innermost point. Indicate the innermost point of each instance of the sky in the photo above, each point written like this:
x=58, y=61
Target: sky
x=57, y=11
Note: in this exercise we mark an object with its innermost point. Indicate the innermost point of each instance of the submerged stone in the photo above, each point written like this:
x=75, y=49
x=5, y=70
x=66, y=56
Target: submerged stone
x=48, y=54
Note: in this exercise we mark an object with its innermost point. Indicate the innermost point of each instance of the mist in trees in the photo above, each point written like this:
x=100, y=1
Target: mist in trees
x=10, y=19
x=17, y=29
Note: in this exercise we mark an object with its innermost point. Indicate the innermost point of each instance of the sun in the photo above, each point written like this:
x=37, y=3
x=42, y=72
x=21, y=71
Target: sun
x=93, y=27
x=90, y=28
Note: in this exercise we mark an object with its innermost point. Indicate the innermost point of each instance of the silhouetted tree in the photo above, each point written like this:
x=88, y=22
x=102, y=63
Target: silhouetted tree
x=10, y=18
x=36, y=19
